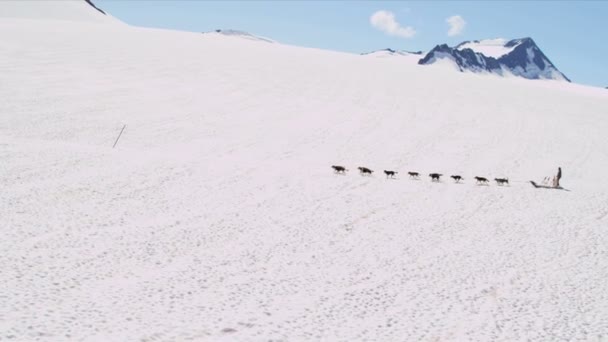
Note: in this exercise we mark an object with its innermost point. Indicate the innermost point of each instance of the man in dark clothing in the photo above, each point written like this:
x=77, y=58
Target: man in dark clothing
x=558, y=177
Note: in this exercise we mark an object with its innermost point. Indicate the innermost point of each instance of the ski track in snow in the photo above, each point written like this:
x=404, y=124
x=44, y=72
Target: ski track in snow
x=217, y=216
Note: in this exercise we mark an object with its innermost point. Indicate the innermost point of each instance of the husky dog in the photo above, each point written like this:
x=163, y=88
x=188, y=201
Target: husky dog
x=339, y=169
x=435, y=177
x=502, y=181
x=456, y=178
x=390, y=174
x=413, y=174
x=364, y=170
x=481, y=180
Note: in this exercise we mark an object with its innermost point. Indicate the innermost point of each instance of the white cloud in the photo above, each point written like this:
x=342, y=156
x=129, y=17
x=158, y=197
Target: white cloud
x=385, y=22
x=457, y=25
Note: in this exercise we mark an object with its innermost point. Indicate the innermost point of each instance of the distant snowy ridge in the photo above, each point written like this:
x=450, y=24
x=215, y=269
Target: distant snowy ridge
x=397, y=55
x=391, y=52
x=518, y=57
x=241, y=34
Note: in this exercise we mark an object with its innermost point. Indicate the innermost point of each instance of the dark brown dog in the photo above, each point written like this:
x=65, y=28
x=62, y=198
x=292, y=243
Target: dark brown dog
x=456, y=178
x=365, y=171
x=435, y=177
x=390, y=174
x=502, y=181
x=481, y=180
x=339, y=169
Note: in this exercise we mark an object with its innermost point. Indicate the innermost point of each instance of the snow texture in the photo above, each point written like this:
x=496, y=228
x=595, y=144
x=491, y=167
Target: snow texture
x=217, y=216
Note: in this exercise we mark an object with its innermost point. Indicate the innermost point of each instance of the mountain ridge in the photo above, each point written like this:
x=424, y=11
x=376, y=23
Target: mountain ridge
x=520, y=57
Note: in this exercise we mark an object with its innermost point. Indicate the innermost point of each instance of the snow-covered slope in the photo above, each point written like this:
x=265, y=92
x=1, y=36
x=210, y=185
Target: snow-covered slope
x=217, y=216
x=518, y=57
x=68, y=10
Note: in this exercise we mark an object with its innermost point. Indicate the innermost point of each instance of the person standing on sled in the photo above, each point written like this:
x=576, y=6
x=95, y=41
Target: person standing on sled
x=557, y=178
x=554, y=181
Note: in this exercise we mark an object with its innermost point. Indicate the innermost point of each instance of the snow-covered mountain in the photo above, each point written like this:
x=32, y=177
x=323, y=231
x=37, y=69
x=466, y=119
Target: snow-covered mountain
x=217, y=216
x=518, y=57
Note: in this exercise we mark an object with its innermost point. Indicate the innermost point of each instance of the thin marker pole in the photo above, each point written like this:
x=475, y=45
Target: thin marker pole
x=123, y=128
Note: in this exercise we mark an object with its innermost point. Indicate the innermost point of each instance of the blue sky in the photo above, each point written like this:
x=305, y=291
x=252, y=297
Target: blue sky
x=573, y=34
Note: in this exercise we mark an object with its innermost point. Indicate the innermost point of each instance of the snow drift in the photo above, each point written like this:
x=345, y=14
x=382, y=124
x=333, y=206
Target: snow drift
x=218, y=217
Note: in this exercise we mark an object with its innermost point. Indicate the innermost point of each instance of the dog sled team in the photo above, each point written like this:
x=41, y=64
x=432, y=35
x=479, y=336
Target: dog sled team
x=548, y=182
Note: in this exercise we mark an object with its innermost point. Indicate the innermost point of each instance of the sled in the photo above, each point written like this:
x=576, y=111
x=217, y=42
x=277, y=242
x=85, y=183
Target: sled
x=538, y=186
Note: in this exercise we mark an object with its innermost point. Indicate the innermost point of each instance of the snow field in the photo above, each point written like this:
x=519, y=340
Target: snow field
x=217, y=216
